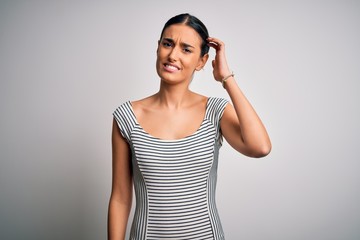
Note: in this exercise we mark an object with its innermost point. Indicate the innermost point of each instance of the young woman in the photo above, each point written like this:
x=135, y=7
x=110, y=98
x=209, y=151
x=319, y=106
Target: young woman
x=167, y=144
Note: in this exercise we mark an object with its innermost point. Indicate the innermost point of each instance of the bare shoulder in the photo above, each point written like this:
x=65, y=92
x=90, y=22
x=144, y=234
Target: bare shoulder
x=142, y=102
x=198, y=100
x=143, y=105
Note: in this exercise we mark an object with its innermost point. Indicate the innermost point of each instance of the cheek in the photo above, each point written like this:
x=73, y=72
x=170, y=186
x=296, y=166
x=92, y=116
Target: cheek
x=192, y=62
x=158, y=63
x=161, y=54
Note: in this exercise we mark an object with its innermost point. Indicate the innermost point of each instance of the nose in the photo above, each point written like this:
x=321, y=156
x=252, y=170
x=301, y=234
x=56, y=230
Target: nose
x=174, y=54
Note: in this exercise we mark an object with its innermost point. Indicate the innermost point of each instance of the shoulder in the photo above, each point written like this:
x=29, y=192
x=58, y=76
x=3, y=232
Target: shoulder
x=123, y=107
x=134, y=105
x=198, y=100
x=215, y=109
x=217, y=102
x=125, y=120
x=143, y=105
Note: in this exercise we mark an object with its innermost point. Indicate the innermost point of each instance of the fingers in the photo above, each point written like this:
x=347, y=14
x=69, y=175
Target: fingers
x=215, y=40
x=215, y=43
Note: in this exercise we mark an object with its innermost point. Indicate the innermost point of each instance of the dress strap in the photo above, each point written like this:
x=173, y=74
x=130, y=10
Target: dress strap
x=214, y=111
x=125, y=119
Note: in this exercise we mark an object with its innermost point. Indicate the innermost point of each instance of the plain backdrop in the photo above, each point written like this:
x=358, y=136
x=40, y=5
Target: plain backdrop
x=66, y=65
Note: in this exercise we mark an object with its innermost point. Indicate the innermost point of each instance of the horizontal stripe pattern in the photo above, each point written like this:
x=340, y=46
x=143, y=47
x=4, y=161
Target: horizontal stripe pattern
x=175, y=180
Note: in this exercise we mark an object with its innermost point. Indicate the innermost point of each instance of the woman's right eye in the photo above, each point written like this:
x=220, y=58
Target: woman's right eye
x=166, y=44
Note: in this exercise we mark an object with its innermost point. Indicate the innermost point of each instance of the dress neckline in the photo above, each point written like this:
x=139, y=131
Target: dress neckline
x=164, y=139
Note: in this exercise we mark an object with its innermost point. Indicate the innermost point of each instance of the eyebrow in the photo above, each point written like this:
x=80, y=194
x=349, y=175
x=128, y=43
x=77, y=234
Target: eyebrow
x=183, y=44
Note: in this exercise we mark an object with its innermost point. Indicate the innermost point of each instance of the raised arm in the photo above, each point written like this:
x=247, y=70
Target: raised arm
x=121, y=193
x=240, y=124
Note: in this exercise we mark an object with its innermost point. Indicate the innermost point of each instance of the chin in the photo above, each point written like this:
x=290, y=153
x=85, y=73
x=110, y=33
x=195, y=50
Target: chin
x=169, y=80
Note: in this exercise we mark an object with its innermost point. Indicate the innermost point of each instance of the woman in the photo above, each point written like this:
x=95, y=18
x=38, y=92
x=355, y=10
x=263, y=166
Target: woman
x=167, y=144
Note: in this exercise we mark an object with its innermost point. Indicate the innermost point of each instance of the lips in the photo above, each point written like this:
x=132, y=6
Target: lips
x=171, y=67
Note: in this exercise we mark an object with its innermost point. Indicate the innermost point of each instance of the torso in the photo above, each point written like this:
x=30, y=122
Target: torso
x=174, y=180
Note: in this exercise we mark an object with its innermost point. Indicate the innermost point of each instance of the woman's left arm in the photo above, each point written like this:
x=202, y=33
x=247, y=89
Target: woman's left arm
x=240, y=124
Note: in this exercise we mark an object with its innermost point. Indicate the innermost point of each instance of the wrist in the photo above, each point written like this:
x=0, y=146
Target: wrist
x=224, y=79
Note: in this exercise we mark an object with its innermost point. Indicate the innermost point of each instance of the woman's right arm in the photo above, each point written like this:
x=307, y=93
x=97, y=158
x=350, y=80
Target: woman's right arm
x=121, y=193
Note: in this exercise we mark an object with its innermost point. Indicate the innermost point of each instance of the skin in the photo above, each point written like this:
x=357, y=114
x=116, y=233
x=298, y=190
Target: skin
x=175, y=112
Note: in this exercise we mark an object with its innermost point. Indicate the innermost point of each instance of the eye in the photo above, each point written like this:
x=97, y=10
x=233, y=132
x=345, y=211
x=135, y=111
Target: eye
x=187, y=50
x=166, y=44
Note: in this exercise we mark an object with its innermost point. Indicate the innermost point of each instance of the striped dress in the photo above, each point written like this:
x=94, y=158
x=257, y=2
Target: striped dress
x=175, y=180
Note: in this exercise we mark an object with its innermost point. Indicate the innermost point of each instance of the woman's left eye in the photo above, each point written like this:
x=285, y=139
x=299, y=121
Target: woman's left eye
x=187, y=50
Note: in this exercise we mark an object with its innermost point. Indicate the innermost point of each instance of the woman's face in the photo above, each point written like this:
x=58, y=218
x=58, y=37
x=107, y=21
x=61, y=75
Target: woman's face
x=178, y=54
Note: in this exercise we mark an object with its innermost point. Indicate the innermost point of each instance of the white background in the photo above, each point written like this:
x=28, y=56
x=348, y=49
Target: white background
x=66, y=65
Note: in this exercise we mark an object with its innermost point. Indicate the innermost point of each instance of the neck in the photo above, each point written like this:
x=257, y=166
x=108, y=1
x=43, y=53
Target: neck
x=173, y=96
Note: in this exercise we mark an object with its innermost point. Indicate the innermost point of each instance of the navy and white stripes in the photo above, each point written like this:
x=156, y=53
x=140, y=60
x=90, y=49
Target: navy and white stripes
x=175, y=180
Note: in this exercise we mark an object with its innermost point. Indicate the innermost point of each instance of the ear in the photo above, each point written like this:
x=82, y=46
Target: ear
x=202, y=62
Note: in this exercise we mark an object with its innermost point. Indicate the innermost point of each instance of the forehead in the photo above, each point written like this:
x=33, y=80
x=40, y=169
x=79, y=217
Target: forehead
x=183, y=33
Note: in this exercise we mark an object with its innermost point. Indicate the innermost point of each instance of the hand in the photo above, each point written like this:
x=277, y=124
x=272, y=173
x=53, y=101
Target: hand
x=220, y=66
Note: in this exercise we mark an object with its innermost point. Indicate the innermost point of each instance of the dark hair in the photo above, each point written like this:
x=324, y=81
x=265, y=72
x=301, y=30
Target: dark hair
x=195, y=24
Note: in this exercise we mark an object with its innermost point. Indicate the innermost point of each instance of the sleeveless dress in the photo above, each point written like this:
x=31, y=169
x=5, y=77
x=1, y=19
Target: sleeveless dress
x=175, y=180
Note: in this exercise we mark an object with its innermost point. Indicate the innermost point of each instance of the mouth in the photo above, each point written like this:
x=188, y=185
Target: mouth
x=171, y=67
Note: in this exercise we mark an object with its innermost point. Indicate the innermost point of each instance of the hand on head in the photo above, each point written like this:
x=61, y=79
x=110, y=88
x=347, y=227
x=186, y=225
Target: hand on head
x=220, y=66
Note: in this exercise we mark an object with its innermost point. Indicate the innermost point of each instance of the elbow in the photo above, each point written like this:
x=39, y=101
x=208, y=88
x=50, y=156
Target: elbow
x=264, y=151
x=261, y=151
x=253, y=149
